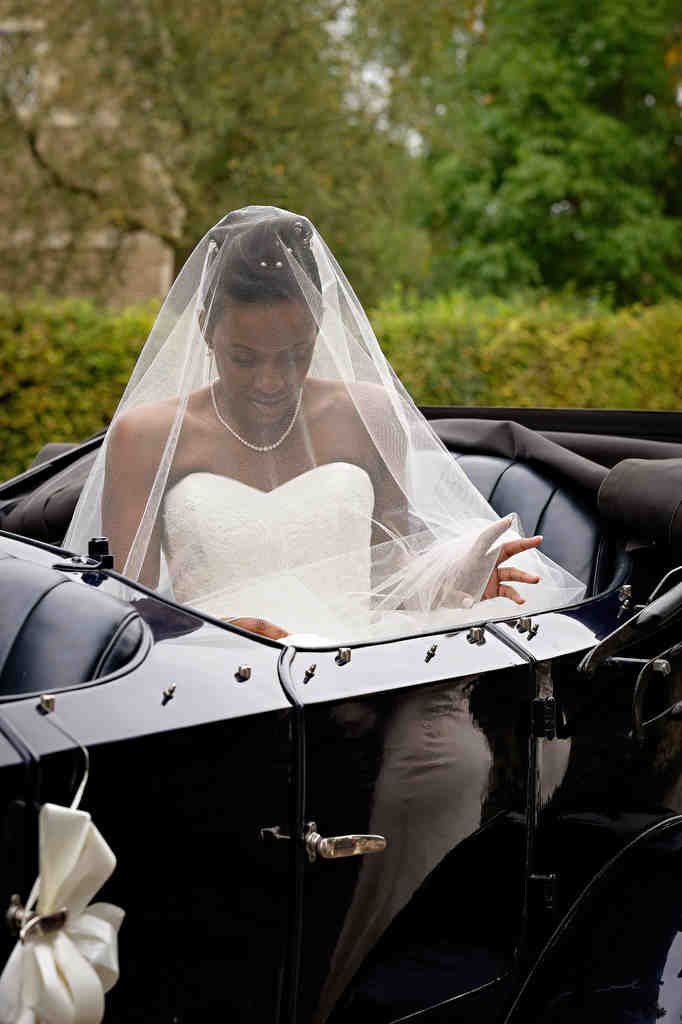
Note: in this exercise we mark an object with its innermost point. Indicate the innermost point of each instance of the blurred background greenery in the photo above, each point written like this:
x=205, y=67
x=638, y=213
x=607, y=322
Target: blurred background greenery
x=500, y=179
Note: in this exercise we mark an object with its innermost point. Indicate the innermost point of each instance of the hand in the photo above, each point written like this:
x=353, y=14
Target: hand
x=260, y=626
x=498, y=584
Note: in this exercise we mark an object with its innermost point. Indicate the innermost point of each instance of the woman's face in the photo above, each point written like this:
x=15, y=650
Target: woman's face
x=262, y=355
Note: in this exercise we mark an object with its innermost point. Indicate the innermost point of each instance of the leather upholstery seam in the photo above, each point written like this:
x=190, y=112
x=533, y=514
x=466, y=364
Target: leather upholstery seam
x=122, y=626
x=27, y=618
x=596, y=569
x=544, y=508
x=512, y=462
x=671, y=521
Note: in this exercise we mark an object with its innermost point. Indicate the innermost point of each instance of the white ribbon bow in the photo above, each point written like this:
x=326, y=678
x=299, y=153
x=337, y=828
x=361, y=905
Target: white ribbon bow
x=60, y=976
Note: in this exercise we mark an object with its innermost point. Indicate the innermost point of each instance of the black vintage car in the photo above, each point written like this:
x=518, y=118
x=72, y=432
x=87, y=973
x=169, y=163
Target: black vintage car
x=479, y=825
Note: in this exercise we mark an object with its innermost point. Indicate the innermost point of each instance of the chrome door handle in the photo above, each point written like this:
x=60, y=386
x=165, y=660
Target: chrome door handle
x=336, y=847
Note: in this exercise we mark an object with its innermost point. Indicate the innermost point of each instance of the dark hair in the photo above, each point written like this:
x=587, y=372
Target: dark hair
x=254, y=261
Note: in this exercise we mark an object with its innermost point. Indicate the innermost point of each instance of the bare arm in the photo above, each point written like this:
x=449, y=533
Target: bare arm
x=390, y=502
x=134, y=449
x=392, y=512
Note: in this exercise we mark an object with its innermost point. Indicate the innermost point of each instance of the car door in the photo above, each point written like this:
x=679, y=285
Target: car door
x=190, y=756
x=419, y=742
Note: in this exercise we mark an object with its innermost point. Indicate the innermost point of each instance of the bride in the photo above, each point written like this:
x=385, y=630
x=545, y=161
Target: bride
x=266, y=466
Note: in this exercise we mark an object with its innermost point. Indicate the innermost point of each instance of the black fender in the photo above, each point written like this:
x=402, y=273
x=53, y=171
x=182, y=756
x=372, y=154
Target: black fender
x=616, y=956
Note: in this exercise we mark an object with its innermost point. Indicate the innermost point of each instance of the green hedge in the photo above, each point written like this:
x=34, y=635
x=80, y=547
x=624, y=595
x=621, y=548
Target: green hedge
x=63, y=364
x=552, y=351
x=63, y=367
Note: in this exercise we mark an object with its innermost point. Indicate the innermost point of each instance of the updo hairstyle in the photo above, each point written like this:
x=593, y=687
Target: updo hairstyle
x=253, y=262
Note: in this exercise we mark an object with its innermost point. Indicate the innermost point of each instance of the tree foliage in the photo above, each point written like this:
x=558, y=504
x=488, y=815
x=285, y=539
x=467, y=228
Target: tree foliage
x=159, y=115
x=555, y=154
x=485, y=144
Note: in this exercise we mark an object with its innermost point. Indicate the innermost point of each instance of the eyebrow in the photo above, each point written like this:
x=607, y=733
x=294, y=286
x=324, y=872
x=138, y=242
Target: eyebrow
x=257, y=351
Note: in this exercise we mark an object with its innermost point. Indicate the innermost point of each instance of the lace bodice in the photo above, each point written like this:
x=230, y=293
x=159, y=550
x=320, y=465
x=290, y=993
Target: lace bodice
x=284, y=555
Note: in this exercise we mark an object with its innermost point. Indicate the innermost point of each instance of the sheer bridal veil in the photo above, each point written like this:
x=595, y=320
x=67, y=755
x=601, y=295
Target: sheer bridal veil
x=265, y=460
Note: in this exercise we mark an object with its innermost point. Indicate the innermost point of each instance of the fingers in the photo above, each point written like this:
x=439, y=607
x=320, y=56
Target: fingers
x=490, y=534
x=269, y=629
x=260, y=626
x=518, y=575
x=515, y=547
x=510, y=592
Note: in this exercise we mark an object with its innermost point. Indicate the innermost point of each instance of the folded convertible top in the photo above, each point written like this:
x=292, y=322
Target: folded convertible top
x=504, y=437
x=644, y=497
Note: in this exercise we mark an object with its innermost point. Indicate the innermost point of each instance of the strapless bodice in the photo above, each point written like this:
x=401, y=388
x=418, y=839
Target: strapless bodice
x=286, y=555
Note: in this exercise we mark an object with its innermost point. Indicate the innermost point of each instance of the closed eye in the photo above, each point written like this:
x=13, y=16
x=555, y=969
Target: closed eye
x=243, y=357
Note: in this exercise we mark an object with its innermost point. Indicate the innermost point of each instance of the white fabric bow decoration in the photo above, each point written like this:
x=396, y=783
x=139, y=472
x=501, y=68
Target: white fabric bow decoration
x=63, y=964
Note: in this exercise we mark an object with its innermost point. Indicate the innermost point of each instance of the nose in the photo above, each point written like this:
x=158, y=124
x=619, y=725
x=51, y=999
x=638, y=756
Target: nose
x=269, y=380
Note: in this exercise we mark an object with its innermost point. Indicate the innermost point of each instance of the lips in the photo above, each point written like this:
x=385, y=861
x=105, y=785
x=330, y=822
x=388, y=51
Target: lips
x=271, y=403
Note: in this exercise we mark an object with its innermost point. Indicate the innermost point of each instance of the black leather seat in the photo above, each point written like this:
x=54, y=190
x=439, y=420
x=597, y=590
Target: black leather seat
x=546, y=503
x=573, y=534
x=57, y=633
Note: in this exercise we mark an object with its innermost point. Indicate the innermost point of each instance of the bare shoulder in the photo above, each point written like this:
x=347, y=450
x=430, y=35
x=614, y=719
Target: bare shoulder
x=150, y=422
x=348, y=399
x=141, y=429
x=350, y=414
x=370, y=395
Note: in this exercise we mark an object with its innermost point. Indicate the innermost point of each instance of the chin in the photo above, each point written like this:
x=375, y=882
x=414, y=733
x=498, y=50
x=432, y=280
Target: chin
x=273, y=413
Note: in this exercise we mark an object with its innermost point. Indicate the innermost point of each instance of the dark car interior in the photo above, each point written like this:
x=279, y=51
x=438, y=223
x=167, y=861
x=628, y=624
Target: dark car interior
x=570, y=486
x=551, y=488
x=573, y=535
x=40, y=608
x=526, y=461
x=603, y=490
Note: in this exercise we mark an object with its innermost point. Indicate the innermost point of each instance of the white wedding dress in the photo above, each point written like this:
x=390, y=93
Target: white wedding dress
x=292, y=555
x=300, y=557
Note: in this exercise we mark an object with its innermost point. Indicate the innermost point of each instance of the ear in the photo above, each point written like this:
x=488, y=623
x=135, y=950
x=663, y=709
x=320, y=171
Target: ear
x=202, y=324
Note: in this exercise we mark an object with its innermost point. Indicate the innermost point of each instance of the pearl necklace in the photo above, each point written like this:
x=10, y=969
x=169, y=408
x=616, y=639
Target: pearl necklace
x=247, y=444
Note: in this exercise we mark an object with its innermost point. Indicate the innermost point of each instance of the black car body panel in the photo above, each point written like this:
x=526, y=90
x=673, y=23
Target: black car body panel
x=532, y=807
